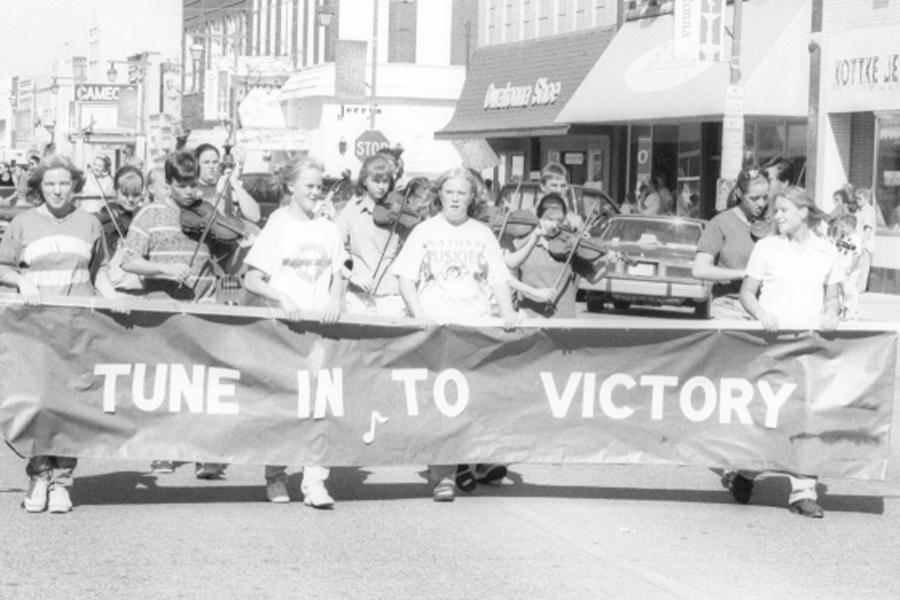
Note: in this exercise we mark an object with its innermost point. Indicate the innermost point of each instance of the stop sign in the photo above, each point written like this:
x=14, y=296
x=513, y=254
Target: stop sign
x=368, y=143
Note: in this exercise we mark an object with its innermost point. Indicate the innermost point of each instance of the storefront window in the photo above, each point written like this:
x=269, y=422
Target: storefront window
x=796, y=150
x=887, y=169
x=687, y=190
x=764, y=140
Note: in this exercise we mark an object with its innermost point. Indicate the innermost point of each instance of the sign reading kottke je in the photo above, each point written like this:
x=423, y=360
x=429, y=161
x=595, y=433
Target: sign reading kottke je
x=369, y=143
x=861, y=70
x=178, y=386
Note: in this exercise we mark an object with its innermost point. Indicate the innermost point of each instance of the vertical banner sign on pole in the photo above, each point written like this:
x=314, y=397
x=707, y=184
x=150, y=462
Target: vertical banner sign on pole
x=700, y=30
x=644, y=160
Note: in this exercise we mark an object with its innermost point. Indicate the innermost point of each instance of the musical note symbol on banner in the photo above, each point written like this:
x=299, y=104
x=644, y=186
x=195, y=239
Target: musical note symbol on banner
x=377, y=417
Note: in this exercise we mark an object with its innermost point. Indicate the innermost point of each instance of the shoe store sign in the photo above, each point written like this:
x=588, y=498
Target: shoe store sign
x=169, y=381
x=861, y=70
x=542, y=92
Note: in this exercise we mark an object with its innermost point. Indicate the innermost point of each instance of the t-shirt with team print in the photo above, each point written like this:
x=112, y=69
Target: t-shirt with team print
x=299, y=256
x=454, y=267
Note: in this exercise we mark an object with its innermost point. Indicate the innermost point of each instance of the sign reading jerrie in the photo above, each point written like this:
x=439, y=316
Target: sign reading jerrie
x=245, y=389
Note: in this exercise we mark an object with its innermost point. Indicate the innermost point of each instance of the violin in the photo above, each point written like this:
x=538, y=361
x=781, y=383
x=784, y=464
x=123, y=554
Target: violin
x=394, y=212
x=564, y=241
x=201, y=215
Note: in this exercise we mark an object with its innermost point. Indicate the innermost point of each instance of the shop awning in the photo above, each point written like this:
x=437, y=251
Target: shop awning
x=517, y=89
x=639, y=79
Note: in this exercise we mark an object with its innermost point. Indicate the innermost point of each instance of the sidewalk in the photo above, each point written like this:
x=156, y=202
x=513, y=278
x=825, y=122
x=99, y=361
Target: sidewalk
x=879, y=307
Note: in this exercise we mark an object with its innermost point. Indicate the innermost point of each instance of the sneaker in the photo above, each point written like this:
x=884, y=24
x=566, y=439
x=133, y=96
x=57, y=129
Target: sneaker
x=807, y=508
x=59, y=501
x=465, y=478
x=35, y=500
x=276, y=491
x=489, y=473
x=741, y=488
x=444, y=491
x=317, y=497
x=210, y=471
x=162, y=466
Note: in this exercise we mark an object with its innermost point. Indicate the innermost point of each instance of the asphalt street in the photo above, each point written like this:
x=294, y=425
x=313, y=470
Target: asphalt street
x=549, y=531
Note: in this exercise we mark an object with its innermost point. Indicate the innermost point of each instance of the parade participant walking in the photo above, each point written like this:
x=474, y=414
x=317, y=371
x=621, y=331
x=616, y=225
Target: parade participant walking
x=371, y=247
x=238, y=202
x=795, y=275
x=49, y=250
x=117, y=214
x=449, y=269
x=546, y=285
x=297, y=262
x=726, y=243
x=170, y=263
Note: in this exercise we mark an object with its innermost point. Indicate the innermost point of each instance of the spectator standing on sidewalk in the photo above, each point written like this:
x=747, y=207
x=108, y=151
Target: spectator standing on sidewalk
x=297, y=262
x=867, y=220
x=50, y=250
x=795, y=275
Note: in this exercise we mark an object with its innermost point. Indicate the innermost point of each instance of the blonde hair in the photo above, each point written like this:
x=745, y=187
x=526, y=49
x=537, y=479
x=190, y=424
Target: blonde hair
x=289, y=172
x=476, y=186
x=800, y=198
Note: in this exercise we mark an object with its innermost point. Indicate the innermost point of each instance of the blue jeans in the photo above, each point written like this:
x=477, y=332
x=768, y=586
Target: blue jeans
x=56, y=469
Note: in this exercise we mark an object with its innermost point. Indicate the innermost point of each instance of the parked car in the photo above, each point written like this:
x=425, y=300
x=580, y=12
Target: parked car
x=580, y=200
x=656, y=255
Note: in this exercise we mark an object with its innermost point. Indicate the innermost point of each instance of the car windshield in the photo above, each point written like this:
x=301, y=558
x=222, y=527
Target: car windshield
x=672, y=233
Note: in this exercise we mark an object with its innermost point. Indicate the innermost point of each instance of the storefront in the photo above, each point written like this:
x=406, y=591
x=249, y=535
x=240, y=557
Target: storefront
x=512, y=96
x=673, y=108
x=858, y=128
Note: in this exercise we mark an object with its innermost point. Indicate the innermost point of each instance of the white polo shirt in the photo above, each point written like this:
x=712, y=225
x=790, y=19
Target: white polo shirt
x=794, y=278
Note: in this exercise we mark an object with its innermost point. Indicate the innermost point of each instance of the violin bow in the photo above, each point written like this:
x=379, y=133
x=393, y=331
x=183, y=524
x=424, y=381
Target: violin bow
x=112, y=215
x=208, y=226
x=588, y=221
x=509, y=210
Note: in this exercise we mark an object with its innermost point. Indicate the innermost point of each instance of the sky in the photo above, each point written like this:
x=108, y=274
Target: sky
x=37, y=32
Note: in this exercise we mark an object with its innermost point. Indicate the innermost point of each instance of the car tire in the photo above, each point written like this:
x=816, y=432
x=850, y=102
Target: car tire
x=621, y=304
x=594, y=303
x=702, y=310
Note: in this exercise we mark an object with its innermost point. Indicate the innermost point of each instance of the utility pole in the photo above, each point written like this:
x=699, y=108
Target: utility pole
x=732, y=155
x=372, y=105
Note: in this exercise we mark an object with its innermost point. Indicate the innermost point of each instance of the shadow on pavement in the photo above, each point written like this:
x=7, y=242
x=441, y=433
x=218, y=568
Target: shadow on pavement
x=348, y=484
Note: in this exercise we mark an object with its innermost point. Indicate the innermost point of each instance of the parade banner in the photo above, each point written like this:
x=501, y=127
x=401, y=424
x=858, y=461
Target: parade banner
x=243, y=387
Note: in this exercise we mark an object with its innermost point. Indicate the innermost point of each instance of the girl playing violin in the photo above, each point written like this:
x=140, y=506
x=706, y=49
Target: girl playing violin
x=372, y=247
x=159, y=251
x=547, y=279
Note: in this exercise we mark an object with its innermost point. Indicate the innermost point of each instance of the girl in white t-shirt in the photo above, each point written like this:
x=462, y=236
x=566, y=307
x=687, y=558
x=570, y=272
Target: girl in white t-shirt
x=450, y=269
x=796, y=274
x=297, y=262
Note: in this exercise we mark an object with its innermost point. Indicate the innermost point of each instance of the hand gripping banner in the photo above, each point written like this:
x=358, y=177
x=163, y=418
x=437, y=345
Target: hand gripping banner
x=241, y=386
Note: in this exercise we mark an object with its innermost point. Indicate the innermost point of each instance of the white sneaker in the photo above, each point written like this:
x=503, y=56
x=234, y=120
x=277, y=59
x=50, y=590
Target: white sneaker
x=59, y=501
x=276, y=491
x=317, y=497
x=35, y=500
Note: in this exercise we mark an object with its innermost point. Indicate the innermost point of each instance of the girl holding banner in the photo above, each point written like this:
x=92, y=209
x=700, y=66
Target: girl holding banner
x=297, y=262
x=790, y=271
x=55, y=250
x=449, y=270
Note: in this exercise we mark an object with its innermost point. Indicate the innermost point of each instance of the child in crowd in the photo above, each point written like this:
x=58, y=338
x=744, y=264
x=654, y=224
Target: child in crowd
x=371, y=247
x=172, y=264
x=846, y=239
x=157, y=189
x=50, y=250
x=297, y=262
